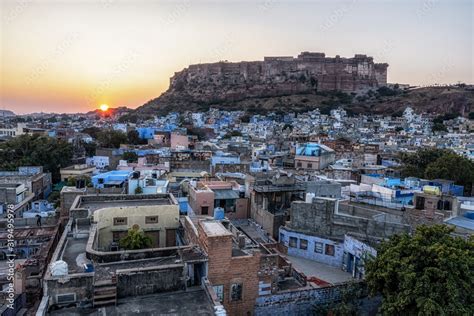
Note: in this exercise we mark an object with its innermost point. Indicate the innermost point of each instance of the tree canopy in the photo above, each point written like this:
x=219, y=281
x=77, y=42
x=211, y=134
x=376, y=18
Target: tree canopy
x=26, y=150
x=429, y=273
x=432, y=163
x=135, y=239
x=111, y=138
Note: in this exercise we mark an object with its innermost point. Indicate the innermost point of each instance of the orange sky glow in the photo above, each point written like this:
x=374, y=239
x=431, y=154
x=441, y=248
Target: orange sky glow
x=67, y=57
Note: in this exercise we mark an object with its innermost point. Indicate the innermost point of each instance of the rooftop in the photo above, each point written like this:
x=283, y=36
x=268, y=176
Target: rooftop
x=321, y=271
x=192, y=302
x=214, y=228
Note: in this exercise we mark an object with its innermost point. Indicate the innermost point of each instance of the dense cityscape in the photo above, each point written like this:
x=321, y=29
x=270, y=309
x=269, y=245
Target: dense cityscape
x=290, y=185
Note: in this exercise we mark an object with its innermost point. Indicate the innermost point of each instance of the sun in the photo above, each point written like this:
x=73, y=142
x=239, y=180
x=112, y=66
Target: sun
x=104, y=107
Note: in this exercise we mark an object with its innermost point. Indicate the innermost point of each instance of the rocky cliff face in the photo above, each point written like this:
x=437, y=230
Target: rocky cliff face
x=309, y=73
x=309, y=81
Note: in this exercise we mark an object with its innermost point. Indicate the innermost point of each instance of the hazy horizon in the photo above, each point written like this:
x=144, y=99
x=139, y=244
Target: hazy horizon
x=71, y=57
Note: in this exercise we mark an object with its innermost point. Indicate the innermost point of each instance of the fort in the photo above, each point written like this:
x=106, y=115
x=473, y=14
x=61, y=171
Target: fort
x=307, y=73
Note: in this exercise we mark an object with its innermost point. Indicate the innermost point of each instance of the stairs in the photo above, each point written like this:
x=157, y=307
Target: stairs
x=105, y=292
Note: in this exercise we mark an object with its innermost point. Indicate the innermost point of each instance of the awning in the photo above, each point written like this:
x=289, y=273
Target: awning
x=226, y=194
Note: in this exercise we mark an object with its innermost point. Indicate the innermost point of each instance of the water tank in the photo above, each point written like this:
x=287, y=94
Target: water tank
x=218, y=213
x=59, y=268
x=469, y=214
x=431, y=189
x=309, y=197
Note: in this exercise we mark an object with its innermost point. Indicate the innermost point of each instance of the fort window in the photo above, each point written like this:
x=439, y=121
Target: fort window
x=318, y=247
x=310, y=165
x=299, y=164
x=120, y=221
x=329, y=251
x=204, y=210
x=151, y=219
x=293, y=242
x=236, y=292
x=303, y=244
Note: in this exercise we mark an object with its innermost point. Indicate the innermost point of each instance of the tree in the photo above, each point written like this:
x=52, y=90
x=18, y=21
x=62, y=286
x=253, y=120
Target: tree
x=439, y=127
x=471, y=115
x=26, y=150
x=414, y=164
x=133, y=137
x=111, y=138
x=429, y=273
x=92, y=131
x=453, y=167
x=130, y=156
x=135, y=239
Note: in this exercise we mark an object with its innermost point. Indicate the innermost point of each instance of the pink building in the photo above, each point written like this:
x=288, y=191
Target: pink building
x=179, y=141
x=205, y=196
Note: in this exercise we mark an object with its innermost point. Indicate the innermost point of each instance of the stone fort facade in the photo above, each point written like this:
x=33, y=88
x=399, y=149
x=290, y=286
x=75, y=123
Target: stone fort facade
x=307, y=73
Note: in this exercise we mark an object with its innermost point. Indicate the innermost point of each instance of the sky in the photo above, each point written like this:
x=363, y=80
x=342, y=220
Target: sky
x=71, y=56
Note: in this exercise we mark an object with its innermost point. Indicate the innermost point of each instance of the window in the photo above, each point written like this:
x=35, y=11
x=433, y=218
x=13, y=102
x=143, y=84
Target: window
x=66, y=298
x=293, y=242
x=204, y=210
x=282, y=238
x=303, y=244
x=151, y=219
x=236, y=292
x=298, y=164
x=310, y=165
x=120, y=221
x=318, y=247
x=329, y=250
x=447, y=206
x=420, y=203
x=219, y=289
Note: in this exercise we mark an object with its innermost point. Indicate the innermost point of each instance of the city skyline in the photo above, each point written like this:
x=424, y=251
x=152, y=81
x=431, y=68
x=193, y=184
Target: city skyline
x=83, y=54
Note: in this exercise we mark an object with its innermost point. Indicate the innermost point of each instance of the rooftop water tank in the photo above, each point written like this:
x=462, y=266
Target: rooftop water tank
x=59, y=268
x=219, y=213
x=309, y=197
x=431, y=189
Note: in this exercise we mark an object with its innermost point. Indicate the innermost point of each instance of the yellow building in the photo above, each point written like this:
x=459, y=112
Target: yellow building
x=159, y=222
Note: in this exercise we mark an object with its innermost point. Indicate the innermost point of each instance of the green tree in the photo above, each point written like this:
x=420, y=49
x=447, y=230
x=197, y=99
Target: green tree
x=452, y=166
x=429, y=273
x=133, y=137
x=92, y=131
x=89, y=148
x=135, y=239
x=414, y=164
x=26, y=150
x=439, y=127
x=111, y=138
x=130, y=156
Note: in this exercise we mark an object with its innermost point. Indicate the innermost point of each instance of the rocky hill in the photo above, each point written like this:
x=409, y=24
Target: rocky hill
x=300, y=84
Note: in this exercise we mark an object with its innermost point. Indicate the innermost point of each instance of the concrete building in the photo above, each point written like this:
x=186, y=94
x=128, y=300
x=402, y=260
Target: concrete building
x=271, y=199
x=207, y=196
x=77, y=171
x=313, y=156
x=33, y=178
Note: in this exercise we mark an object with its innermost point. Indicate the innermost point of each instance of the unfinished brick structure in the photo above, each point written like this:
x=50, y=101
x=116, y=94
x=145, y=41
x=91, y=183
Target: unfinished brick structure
x=232, y=272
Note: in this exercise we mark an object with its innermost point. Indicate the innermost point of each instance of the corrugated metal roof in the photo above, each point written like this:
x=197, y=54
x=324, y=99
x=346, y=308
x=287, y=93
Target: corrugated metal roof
x=226, y=194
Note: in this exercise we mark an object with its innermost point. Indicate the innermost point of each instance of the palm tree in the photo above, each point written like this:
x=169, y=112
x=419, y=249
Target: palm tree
x=135, y=239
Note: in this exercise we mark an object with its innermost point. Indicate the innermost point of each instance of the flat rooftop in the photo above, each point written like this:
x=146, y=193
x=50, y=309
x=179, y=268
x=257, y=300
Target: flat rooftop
x=319, y=270
x=192, y=302
x=95, y=202
x=214, y=228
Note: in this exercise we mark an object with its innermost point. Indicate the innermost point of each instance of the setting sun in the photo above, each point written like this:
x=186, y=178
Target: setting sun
x=104, y=107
